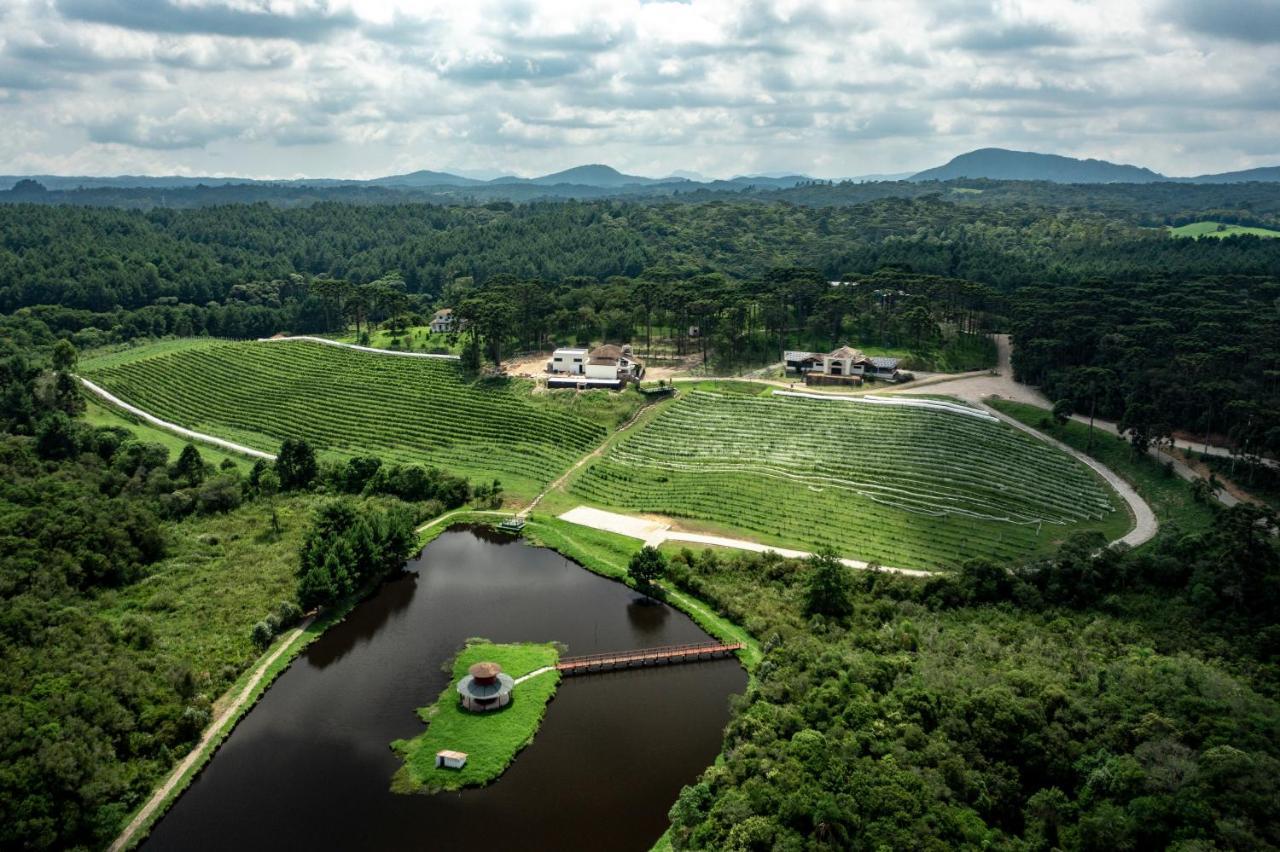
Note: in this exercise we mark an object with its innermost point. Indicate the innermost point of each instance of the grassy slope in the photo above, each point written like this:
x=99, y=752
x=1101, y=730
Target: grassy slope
x=789, y=514
x=490, y=740
x=101, y=415
x=419, y=336
x=1211, y=229
x=344, y=402
x=1169, y=496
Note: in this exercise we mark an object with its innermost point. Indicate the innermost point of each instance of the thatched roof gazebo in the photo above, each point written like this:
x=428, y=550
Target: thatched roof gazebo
x=486, y=687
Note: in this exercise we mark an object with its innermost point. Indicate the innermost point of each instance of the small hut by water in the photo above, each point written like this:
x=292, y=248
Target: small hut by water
x=486, y=687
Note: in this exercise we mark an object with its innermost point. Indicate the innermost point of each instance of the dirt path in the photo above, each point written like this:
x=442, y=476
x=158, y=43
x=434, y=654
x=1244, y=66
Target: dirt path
x=226, y=717
x=975, y=389
x=371, y=349
x=654, y=533
x=116, y=401
x=534, y=674
x=524, y=513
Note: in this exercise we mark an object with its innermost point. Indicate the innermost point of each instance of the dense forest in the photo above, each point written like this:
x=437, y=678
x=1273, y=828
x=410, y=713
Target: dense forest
x=1199, y=354
x=1149, y=204
x=1088, y=701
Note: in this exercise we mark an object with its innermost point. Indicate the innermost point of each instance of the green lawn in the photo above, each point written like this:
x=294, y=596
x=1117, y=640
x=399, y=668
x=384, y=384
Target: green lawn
x=344, y=403
x=1169, y=496
x=490, y=740
x=1219, y=229
x=417, y=338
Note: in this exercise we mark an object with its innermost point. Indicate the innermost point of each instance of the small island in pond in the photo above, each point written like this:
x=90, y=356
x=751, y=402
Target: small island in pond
x=487, y=713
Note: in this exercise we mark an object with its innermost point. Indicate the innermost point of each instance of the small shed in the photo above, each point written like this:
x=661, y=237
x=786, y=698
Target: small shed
x=450, y=759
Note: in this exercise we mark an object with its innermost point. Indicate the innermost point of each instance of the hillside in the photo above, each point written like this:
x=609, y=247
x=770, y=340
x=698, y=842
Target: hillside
x=899, y=485
x=407, y=410
x=1003, y=164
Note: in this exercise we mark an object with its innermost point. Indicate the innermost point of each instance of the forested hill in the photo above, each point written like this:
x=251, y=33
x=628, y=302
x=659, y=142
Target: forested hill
x=1255, y=201
x=100, y=259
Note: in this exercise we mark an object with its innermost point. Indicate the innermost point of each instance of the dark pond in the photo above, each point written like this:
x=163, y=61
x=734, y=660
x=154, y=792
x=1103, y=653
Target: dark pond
x=310, y=764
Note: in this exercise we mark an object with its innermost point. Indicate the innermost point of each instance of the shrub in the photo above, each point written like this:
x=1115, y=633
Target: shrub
x=261, y=635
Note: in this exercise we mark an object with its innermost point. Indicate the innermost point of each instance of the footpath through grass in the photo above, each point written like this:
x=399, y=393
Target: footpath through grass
x=490, y=740
x=1169, y=496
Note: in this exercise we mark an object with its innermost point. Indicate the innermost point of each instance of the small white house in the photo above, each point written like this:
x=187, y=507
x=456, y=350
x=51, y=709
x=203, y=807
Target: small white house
x=568, y=360
x=442, y=321
x=451, y=759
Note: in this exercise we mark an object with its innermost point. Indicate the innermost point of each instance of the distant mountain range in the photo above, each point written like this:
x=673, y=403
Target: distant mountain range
x=596, y=180
x=1002, y=164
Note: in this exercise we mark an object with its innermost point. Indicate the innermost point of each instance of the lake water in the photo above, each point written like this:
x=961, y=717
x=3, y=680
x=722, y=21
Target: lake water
x=310, y=765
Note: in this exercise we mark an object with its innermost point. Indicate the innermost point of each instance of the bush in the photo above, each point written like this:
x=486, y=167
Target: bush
x=262, y=635
x=289, y=614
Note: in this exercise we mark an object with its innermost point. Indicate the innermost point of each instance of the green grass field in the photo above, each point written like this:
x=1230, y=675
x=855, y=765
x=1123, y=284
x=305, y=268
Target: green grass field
x=1219, y=229
x=490, y=740
x=900, y=486
x=416, y=338
x=344, y=402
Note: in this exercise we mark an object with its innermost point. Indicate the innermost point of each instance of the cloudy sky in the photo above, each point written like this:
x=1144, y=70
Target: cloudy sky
x=294, y=88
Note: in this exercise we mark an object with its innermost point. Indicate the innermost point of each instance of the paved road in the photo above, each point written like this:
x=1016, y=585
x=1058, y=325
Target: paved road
x=975, y=389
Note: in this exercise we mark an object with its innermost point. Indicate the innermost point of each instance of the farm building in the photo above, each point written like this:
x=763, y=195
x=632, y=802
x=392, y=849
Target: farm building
x=442, y=321
x=568, y=360
x=450, y=759
x=842, y=365
x=486, y=687
x=604, y=366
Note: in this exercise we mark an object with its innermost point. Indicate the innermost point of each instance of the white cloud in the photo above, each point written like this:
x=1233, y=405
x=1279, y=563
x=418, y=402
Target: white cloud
x=280, y=88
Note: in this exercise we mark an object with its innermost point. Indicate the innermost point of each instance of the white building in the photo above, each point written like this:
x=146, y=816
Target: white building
x=613, y=362
x=442, y=321
x=568, y=360
x=450, y=759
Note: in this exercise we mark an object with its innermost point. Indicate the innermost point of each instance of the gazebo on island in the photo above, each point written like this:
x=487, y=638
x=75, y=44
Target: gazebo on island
x=486, y=687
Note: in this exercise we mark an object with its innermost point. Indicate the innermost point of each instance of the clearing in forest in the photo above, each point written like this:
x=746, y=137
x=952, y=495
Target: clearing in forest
x=1219, y=229
x=898, y=485
x=406, y=410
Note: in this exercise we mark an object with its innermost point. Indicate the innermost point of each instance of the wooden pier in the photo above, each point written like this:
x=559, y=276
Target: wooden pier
x=644, y=657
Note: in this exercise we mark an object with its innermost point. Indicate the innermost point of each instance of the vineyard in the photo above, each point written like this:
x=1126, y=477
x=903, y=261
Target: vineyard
x=903, y=486
x=345, y=403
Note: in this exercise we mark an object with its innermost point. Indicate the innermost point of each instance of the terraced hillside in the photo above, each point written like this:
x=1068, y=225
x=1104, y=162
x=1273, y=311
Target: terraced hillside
x=903, y=486
x=407, y=410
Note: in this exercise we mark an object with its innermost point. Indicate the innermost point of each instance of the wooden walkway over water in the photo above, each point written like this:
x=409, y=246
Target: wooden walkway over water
x=664, y=656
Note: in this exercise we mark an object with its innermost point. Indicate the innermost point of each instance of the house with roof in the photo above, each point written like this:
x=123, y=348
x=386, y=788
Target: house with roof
x=604, y=366
x=442, y=321
x=844, y=365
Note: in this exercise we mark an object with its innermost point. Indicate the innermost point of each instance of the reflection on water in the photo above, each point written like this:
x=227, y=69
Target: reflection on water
x=310, y=765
